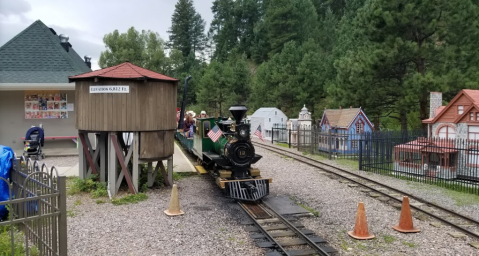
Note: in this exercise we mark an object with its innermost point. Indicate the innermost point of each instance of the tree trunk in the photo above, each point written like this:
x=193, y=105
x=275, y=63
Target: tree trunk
x=421, y=68
x=403, y=120
x=376, y=123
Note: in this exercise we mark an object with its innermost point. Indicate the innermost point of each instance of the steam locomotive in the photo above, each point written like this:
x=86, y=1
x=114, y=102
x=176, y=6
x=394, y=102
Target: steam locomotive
x=229, y=158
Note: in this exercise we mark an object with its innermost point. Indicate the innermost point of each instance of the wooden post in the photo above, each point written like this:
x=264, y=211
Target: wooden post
x=102, y=146
x=170, y=170
x=151, y=176
x=81, y=159
x=112, y=172
x=136, y=148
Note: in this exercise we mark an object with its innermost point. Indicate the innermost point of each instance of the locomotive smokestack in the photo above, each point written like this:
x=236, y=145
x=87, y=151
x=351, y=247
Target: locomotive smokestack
x=238, y=112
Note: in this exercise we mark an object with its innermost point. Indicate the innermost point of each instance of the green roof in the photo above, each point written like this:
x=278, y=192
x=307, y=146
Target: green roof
x=35, y=55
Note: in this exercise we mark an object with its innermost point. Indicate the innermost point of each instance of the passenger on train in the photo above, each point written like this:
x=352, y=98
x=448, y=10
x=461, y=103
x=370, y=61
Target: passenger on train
x=189, y=122
x=203, y=114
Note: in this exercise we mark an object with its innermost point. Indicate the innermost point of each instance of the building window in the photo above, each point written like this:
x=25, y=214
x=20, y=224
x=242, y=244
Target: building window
x=460, y=110
x=473, y=132
x=354, y=144
x=360, y=126
x=275, y=113
x=477, y=116
x=447, y=132
x=270, y=119
x=281, y=119
x=471, y=116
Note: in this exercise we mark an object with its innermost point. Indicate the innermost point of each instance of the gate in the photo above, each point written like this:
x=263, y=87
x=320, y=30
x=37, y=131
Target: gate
x=280, y=134
x=37, y=207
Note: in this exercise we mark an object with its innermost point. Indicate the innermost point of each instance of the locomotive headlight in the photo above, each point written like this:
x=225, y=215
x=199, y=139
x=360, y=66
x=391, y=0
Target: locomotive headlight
x=243, y=133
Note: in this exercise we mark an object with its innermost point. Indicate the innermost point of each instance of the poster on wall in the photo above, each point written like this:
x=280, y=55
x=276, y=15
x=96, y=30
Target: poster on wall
x=45, y=105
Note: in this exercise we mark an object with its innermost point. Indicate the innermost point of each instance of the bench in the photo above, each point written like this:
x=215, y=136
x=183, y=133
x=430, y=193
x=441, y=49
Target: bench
x=73, y=138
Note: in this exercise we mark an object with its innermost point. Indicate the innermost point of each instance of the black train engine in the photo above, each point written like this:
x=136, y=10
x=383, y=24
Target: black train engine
x=231, y=158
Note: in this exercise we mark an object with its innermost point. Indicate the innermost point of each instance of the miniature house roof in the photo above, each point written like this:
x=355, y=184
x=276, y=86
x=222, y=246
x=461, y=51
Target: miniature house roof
x=265, y=112
x=342, y=118
x=472, y=95
x=428, y=145
x=125, y=70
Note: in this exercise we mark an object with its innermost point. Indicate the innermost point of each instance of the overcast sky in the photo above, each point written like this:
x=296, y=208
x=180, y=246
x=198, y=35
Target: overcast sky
x=87, y=21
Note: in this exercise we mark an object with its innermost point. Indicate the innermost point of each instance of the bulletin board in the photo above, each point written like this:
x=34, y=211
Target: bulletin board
x=45, y=105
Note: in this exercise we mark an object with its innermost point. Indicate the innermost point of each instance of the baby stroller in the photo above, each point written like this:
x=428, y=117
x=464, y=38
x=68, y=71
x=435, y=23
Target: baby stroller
x=34, y=141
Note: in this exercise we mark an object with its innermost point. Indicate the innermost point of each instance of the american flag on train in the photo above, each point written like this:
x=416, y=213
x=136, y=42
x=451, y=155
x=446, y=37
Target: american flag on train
x=258, y=133
x=215, y=133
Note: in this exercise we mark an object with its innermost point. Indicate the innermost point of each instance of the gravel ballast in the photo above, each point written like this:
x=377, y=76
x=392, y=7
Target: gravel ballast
x=337, y=205
x=211, y=224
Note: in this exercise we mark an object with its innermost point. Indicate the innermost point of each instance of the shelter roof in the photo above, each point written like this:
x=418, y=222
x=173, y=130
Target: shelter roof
x=432, y=145
x=125, y=70
x=35, y=55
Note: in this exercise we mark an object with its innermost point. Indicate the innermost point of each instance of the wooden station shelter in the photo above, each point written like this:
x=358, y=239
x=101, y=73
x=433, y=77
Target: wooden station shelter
x=125, y=99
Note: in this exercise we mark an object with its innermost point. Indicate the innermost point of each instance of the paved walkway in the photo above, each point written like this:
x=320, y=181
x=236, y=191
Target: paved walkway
x=180, y=162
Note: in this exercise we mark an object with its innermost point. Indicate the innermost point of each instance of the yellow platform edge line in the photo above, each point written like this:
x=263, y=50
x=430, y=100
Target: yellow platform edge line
x=200, y=169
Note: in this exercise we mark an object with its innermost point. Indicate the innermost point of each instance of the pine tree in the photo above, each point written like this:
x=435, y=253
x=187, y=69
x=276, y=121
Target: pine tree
x=399, y=51
x=224, y=28
x=187, y=29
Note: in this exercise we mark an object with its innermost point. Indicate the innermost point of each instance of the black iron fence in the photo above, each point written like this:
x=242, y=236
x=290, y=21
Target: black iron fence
x=411, y=155
x=332, y=144
x=451, y=163
x=37, y=220
x=280, y=134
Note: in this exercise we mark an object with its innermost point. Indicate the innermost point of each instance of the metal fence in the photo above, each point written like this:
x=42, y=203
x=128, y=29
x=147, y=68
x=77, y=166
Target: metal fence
x=280, y=134
x=332, y=144
x=37, y=208
x=451, y=163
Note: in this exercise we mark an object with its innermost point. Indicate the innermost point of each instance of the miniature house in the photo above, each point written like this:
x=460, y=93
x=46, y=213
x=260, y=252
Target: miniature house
x=303, y=123
x=458, y=121
x=267, y=117
x=343, y=128
x=430, y=157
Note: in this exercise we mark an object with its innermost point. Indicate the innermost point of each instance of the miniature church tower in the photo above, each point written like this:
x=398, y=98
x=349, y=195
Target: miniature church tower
x=304, y=119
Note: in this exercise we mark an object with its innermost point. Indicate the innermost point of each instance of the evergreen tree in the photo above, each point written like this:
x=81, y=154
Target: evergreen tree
x=187, y=29
x=144, y=49
x=224, y=84
x=399, y=51
x=289, y=20
x=290, y=79
x=249, y=14
x=224, y=28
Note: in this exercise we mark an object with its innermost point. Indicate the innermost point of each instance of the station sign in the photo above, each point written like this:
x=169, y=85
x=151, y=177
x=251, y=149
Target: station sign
x=109, y=89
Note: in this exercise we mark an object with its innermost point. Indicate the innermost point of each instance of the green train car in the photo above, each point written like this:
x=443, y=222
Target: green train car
x=230, y=157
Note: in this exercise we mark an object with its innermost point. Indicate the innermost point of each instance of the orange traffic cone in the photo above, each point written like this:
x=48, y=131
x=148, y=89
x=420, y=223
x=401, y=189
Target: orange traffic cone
x=361, y=228
x=174, y=208
x=405, y=220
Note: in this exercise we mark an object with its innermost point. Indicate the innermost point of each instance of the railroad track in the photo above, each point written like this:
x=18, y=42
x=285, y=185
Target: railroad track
x=280, y=235
x=388, y=194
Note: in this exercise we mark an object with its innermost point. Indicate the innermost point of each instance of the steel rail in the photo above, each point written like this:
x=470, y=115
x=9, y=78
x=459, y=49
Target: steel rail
x=455, y=214
x=265, y=233
x=300, y=234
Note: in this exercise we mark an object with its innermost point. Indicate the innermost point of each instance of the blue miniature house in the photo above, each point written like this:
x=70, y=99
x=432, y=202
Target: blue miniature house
x=343, y=128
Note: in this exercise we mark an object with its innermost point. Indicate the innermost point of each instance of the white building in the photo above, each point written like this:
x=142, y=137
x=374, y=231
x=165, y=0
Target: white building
x=303, y=122
x=266, y=117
